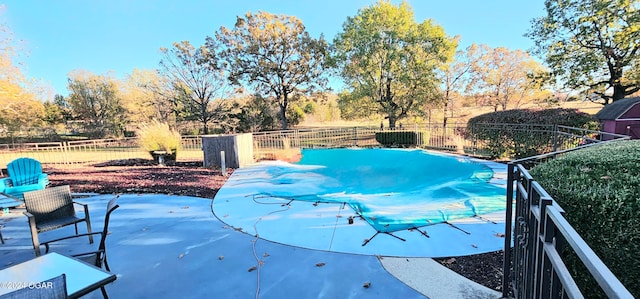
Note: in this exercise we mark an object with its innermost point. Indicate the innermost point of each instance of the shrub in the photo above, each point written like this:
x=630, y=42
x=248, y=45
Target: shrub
x=599, y=188
x=157, y=136
x=523, y=133
x=402, y=138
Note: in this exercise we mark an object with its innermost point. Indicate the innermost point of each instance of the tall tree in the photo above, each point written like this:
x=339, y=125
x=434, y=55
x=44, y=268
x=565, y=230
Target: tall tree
x=455, y=79
x=19, y=110
x=147, y=97
x=9, y=52
x=274, y=55
x=64, y=107
x=506, y=77
x=591, y=44
x=54, y=115
x=200, y=83
x=95, y=100
x=19, y=107
x=385, y=57
x=256, y=114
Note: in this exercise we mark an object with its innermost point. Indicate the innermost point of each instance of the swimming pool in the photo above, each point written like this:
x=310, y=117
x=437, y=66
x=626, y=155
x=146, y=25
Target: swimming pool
x=395, y=192
x=392, y=189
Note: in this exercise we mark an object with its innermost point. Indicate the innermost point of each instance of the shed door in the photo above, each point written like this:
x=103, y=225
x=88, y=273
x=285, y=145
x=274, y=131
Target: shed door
x=633, y=130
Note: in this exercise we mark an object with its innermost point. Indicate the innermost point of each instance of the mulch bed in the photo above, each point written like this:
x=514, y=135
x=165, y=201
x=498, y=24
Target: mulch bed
x=485, y=269
x=191, y=179
x=140, y=176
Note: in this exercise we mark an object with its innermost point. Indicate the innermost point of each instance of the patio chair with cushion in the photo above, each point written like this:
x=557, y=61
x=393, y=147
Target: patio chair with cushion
x=50, y=209
x=25, y=174
x=96, y=257
x=54, y=288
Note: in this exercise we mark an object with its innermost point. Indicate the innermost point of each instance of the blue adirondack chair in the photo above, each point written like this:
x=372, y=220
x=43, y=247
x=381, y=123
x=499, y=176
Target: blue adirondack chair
x=25, y=174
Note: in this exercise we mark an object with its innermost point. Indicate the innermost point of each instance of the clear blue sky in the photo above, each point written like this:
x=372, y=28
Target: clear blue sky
x=120, y=35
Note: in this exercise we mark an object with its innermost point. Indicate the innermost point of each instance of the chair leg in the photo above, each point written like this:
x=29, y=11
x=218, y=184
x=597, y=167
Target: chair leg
x=104, y=293
x=88, y=221
x=34, y=236
x=1, y=238
x=106, y=264
x=89, y=231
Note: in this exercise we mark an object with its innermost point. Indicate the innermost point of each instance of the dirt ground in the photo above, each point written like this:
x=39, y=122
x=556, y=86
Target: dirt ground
x=191, y=179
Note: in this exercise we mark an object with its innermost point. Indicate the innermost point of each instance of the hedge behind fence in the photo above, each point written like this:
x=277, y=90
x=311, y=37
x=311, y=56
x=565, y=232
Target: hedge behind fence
x=525, y=132
x=599, y=188
x=402, y=138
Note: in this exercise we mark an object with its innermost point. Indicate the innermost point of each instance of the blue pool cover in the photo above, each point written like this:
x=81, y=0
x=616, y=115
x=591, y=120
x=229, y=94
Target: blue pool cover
x=390, y=189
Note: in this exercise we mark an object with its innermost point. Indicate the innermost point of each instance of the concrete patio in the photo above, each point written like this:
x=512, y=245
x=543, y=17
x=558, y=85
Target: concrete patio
x=165, y=246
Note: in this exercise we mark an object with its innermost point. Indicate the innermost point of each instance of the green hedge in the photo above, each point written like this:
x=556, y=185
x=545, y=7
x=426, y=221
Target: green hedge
x=524, y=136
x=599, y=188
x=402, y=138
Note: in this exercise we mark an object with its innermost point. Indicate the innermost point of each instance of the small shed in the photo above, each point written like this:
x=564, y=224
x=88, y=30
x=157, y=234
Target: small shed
x=621, y=117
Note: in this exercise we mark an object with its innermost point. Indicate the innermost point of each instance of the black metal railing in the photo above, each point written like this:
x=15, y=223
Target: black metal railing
x=534, y=266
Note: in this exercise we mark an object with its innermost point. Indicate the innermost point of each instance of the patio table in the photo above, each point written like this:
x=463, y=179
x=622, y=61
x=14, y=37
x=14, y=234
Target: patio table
x=82, y=278
x=7, y=202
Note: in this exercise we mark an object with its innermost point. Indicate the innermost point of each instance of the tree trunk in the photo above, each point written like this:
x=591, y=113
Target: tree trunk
x=283, y=118
x=444, y=113
x=283, y=110
x=205, y=128
x=392, y=122
x=618, y=92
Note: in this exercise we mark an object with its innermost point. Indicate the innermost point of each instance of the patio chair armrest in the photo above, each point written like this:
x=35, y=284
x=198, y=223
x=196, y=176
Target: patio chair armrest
x=80, y=203
x=43, y=179
x=84, y=205
x=4, y=183
x=31, y=219
x=46, y=244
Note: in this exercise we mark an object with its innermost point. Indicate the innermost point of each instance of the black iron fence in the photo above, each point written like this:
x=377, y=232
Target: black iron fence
x=534, y=267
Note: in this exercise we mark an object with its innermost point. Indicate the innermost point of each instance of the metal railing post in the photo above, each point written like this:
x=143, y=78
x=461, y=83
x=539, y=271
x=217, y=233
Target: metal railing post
x=555, y=138
x=506, y=263
x=355, y=136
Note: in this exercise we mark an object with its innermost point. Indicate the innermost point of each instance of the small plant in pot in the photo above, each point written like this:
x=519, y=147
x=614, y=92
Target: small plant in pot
x=160, y=141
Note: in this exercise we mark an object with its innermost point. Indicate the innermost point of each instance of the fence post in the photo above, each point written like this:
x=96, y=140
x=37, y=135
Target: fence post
x=506, y=262
x=355, y=136
x=65, y=152
x=474, y=140
x=223, y=166
x=418, y=137
x=555, y=138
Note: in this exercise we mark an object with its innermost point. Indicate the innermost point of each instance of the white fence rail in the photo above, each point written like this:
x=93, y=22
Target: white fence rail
x=71, y=153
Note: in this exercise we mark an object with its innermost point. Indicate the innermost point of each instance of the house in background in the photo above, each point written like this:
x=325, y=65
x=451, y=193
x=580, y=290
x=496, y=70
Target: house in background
x=621, y=117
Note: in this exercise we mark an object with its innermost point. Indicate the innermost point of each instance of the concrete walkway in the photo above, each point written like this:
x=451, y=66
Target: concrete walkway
x=165, y=246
